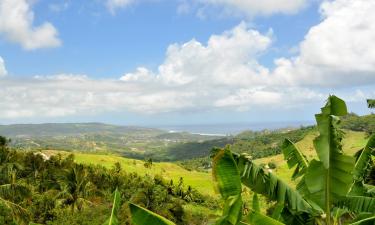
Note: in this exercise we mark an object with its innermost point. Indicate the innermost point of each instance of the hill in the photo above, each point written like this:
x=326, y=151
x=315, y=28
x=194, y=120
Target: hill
x=71, y=129
x=130, y=141
x=201, y=181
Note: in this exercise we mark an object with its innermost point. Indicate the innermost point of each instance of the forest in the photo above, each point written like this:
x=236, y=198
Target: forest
x=260, y=178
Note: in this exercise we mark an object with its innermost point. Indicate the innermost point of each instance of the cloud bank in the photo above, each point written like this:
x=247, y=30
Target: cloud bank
x=336, y=56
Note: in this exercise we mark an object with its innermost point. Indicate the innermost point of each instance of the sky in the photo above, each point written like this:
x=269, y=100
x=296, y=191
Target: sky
x=164, y=62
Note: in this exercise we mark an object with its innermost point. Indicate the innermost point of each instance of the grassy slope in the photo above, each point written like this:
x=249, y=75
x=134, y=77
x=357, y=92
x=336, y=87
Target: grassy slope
x=199, y=180
x=353, y=142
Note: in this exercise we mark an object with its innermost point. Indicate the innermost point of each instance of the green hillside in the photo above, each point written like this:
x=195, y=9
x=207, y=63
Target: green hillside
x=202, y=181
x=352, y=142
x=199, y=180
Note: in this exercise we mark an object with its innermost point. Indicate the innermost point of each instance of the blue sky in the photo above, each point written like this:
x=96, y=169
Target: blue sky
x=182, y=62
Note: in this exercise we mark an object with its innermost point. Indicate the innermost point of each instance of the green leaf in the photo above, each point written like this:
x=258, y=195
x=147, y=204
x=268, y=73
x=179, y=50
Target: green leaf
x=329, y=179
x=18, y=212
x=232, y=212
x=142, y=216
x=364, y=159
x=328, y=141
x=364, y=219
x=113, y=220
x=276, y=214
x=228, y=182
x=256, y=204
x=225, y=173
x=294, y=157
x=269, y=185
x=256, y=218
x=359, y=204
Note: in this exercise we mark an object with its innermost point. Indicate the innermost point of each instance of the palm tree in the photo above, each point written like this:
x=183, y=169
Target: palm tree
x=12, y=193
x=76, y=187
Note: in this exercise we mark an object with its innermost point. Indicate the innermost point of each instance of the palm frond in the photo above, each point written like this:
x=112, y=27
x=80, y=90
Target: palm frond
x=18, y=212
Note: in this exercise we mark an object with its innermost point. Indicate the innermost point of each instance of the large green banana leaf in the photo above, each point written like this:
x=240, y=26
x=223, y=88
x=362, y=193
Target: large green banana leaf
x=359, y=204
x=329, y=179
x=362, y=165
x=225, y=174
x=364, y=219
x=142, y=216
x=256, y=218
x=112, y=220
x=228, y=182
x=265, y=183
x=364, y=159
x=294, y=157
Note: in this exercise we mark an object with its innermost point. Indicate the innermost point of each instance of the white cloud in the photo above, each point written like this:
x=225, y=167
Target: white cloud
x=339, y=51
x=16, y=25
x=112, y=5
x=3, y=71
x=249, y=7
x=227, y=59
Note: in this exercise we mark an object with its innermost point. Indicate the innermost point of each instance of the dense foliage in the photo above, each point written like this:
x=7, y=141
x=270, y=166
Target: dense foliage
x=359, y=123
x=42, y=189
x=267, y=143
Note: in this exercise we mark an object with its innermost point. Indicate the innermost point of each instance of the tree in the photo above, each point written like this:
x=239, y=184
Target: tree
x=11, y=192
x=371, y=103
x=76, y=187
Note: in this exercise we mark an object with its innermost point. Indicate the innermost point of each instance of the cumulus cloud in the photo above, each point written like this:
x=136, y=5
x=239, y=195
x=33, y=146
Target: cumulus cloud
x=228, y=59
x=16, y=25
x=339, y=51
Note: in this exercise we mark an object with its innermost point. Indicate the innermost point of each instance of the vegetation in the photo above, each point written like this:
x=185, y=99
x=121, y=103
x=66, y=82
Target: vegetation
x=35, y=187
x=371, y=103
x=327, y=191
x=359, y=123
